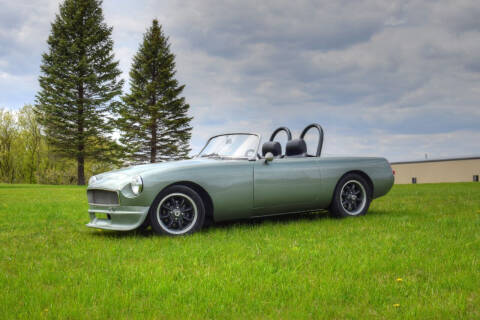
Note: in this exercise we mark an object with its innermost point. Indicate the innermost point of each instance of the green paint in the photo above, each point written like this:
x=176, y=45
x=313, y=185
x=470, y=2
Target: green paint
x=240, y=189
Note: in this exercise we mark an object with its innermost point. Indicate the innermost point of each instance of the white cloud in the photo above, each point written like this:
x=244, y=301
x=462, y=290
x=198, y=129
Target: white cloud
x=398, y=78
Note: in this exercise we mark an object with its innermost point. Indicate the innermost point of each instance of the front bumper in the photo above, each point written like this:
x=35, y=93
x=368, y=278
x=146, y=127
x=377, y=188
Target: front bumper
x=120, y=218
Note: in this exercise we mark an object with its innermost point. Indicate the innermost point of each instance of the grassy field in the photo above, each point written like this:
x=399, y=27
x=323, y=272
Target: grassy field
x=416, y=254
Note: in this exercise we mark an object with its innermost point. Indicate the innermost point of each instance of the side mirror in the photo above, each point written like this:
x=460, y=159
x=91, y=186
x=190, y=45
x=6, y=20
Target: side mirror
x=268, y=157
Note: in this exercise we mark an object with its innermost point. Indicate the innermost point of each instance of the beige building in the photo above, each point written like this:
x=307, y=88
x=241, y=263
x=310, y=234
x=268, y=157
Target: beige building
x=440, y=170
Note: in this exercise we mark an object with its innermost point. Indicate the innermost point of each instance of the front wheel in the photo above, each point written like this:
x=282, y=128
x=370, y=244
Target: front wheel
x=352, y=196
x=178, y=210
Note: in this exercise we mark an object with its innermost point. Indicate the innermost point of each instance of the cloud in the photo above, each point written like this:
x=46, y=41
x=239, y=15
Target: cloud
x=396, y=78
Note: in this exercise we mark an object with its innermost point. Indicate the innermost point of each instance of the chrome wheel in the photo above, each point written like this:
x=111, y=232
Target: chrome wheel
x=177, y=213
x=353, y=197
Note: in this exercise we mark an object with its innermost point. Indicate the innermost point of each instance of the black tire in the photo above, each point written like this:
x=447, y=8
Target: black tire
x=170, y=216
x=352, y=196
x=144, y=226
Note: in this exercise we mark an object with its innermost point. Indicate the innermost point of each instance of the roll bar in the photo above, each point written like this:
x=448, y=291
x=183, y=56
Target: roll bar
x=287, y=131
x=320, y=134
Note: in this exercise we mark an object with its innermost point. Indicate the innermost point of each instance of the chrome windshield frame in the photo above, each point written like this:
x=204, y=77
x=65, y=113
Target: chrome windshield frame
x=253, y=158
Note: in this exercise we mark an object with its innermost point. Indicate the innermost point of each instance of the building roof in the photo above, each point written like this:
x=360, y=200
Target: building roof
x=438, y=160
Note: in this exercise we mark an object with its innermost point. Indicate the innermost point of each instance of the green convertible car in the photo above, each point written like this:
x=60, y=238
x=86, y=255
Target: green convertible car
x=231, y=178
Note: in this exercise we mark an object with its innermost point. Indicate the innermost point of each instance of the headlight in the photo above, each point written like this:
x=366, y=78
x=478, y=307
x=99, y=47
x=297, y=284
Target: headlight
x=92, y=180
x=137, y=185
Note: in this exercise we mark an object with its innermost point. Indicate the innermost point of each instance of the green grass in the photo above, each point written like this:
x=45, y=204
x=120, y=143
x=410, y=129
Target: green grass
x=304, y=266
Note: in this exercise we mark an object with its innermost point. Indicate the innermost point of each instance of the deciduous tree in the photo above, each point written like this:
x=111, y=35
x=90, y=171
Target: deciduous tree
x=8, y=137
x=31, y=138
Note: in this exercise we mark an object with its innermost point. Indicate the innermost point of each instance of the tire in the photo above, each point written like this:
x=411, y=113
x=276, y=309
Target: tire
x=145, y=224
x=177, y=210
x=352, y=197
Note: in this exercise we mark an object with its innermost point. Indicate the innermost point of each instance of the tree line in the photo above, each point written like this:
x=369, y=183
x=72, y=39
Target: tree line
x=82, y=122
x=26, y=157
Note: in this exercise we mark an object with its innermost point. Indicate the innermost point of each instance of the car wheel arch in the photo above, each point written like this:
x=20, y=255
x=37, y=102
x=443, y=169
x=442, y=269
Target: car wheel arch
x=207, y=200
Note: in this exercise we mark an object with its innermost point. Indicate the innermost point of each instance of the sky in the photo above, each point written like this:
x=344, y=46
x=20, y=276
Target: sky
x=398, y=79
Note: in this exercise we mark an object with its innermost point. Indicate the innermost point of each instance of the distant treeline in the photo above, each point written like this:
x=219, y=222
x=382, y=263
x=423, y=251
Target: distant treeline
x=82, y=122
x=26, y=157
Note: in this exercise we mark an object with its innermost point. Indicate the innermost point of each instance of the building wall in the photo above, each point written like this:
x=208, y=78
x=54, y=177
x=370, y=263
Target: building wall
x=457, y=170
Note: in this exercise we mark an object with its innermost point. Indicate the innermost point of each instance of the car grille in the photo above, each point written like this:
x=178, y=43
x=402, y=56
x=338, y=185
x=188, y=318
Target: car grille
x=102, y=197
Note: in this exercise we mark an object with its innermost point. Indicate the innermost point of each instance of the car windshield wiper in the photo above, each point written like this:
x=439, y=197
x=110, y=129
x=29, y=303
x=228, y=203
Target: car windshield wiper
x=213, y=155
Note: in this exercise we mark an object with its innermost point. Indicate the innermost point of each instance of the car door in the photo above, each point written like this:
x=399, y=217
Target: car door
x=286, y=185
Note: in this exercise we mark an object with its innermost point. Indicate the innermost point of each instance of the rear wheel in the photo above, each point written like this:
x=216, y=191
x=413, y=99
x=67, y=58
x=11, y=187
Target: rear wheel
x=352, y=196
x=178, y=210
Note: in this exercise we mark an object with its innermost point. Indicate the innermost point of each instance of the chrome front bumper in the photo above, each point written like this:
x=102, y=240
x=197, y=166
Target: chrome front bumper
x=121, y=218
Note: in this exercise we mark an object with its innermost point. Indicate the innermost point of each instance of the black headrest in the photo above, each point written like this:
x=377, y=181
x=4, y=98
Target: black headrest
x=296, y=147
x=272, y=146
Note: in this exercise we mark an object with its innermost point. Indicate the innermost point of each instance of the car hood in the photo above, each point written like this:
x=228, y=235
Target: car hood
x=117, y=179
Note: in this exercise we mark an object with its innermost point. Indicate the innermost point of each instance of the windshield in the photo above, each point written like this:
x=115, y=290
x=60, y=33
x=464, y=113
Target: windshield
x=236, y=146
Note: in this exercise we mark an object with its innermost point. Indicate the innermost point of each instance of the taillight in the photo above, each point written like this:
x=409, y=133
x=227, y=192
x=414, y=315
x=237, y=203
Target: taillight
x=393, y=171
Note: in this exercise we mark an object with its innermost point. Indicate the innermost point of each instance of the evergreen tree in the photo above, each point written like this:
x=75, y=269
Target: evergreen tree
x=79, y=84
x=153, y=118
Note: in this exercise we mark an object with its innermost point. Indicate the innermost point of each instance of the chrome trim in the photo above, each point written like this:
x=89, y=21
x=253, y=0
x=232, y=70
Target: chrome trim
x=131, y=186
x=103, y=205
x=112, y=212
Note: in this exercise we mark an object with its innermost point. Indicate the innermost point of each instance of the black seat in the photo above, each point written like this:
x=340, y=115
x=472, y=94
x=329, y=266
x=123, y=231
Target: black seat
x=272, y=146
x=296, y=148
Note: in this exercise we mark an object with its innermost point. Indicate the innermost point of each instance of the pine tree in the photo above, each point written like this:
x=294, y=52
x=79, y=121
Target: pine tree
x=79, y=84
x=153, y=117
